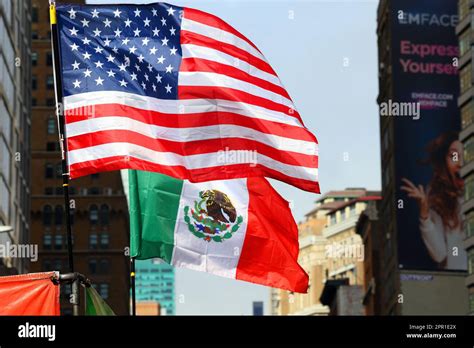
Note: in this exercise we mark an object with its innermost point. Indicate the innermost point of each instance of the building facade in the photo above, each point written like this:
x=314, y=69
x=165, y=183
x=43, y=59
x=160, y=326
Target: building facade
x=99, y=207
x=464, y=30
x=329, y=249
x=15, y=126
x=155, y=282
x=371, y=232
x=422, y=287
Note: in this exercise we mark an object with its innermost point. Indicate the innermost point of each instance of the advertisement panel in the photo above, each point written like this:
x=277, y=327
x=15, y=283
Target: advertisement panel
x=428, y=154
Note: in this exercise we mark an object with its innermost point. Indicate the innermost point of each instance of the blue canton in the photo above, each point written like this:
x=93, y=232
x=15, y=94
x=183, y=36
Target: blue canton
x=125, y=48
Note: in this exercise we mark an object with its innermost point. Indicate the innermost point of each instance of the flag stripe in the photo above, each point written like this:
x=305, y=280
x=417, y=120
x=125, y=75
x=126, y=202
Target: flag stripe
x=207, y=79
x=204, y=65
x=191, y=120
x=214, y=21
x=234, y=145
x=188, y=37
x=153, y=212
x=267, y=253
x=205, y=92
x=184, y=135
x=88, y=101
x=233, y=171
x=211, y=54
x=191, y=162
x=221, y=35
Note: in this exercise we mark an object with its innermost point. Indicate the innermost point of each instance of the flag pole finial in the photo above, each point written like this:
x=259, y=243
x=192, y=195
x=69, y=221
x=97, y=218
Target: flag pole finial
x=52, y=12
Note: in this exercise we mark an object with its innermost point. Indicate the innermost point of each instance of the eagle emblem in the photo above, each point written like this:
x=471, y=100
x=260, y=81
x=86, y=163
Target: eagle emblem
x=213, y=217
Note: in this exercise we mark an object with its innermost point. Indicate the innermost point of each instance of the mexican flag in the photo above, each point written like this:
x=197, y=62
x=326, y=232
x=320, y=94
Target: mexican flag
x=239, y=228
x=95, y=305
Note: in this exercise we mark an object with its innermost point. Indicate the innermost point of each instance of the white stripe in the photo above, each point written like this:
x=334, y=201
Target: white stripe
x=186, y=106
x=219, y=35
x=197, y=78
x=219, y=258
x=199, y=161
x=189, y=134
x=201, y=52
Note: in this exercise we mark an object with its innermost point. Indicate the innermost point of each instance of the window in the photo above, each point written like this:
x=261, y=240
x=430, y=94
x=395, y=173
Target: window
x=93, y=241
x=51, y=125
x=47, y=241
x=93, y=266
x=49, y=58
x=471, y=302
x=343, y=214
x=46, y=265
x=34, y=14
x=463, y=8
x=104, y=240
x=50, y=82
x=50, y=102
x=353, y=210
x=48, y=171
x=34, y=58
x=34, y=102
x=469, y=187
x=52, y=146
x=94, y=191
x=469, y=150
x=104, y=290
x=47, y=215
x=464, y=42
x=469, y=224
x=34, y=82
x=34, y=35
x=465, y=76
x=93, y=214
x=58, y=265
x=48, y=191
x=58, y=241
x=470, y=261
x=58, y=215
x=58, y=191
x=467, y=115
x=333, y=219
x=104, y=214
x=104, y=266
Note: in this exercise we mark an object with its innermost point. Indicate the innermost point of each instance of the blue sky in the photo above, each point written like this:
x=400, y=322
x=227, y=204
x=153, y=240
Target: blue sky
x=325, y=52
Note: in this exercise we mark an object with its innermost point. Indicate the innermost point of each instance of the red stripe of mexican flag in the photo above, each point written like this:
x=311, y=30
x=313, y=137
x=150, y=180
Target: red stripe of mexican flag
x=241, y=228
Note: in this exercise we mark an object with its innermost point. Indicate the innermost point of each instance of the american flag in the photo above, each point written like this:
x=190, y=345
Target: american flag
x=177, y=91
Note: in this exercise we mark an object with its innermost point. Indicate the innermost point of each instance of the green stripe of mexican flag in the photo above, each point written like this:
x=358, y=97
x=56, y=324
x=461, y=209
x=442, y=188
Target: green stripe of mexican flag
x=240, y=228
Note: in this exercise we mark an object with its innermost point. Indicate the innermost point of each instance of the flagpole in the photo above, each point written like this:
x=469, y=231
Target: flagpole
x=132, y=281
x=62, y=142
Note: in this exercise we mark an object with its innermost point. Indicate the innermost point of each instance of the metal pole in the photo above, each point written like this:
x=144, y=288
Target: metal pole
x=132, y=281
x=61, y=127
x=63, y=145
x=75, y=296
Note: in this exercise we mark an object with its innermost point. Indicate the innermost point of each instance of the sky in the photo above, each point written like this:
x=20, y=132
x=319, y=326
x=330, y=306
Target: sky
x=325, y=53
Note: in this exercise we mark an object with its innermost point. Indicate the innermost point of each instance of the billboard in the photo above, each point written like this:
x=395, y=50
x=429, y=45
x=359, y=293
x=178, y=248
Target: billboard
x=427, y=153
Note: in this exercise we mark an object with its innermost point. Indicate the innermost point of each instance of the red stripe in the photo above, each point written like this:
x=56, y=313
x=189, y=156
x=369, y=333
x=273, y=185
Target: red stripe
x=191, y=120
x=269, y=254
x=194, y=175
x=189, y=37
x=204, y=65
x=190, y=148
x=213, y=92
x=213, y=21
